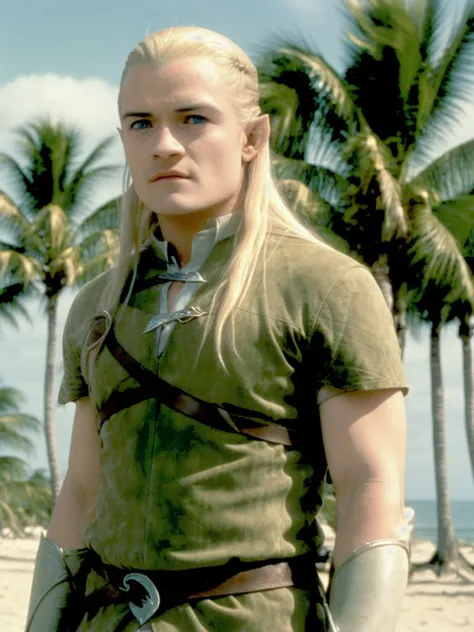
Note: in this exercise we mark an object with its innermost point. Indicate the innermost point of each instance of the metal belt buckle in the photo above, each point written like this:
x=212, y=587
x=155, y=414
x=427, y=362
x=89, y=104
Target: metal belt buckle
x=150, y=603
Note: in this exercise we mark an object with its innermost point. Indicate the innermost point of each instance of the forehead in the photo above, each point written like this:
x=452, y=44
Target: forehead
x=176, y=84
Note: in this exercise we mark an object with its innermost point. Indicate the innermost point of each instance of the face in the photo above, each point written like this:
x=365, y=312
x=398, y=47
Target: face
x=184, y=145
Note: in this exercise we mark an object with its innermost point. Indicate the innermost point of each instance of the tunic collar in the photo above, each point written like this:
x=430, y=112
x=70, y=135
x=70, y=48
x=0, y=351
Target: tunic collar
x=215, y=230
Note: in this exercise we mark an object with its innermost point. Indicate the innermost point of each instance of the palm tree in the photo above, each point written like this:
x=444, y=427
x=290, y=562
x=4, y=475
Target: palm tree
x=20, y=494
x=466, y=328
x=52, y=239
x=438, y=303
x=365, y=142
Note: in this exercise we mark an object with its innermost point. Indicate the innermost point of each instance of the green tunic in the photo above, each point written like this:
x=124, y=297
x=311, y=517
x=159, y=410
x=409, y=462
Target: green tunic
x=177, y=494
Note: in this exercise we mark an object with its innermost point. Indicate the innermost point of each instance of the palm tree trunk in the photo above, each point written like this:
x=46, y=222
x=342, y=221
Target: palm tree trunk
x=447, y=545
x=465, y=335
x=49, y=428
x=380, y=270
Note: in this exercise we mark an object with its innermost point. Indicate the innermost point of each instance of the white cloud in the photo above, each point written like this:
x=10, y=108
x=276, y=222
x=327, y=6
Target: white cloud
x=90, y=104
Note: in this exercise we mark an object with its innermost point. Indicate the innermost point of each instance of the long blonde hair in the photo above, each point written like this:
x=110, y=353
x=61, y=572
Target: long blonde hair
x=263, y=204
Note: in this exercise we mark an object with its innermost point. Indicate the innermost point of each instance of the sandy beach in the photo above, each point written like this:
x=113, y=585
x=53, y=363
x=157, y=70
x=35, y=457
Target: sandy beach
x=431, y=604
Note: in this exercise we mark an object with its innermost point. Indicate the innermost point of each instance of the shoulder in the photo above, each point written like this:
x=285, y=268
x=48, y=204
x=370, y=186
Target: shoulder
x=313, y=267
x=86, y=303
x=298, y=278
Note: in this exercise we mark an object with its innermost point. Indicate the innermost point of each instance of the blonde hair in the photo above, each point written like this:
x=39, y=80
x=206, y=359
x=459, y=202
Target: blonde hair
x=263, y=204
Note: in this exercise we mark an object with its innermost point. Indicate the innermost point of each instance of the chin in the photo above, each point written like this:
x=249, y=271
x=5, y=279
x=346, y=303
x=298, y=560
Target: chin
x=172, y=211
x=178, y=206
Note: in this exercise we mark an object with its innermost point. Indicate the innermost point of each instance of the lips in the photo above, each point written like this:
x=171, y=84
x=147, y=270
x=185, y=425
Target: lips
x=168, y=176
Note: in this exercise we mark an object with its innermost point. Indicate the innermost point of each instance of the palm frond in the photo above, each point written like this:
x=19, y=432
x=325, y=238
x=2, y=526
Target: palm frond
x=313, y=211
x=66, y=265
x=39, y=477
x=49, y=148
x=13, y=432
x=11, y=216
x=301, y=90
x=51, y=224
x=12, y=468
x=394, y=26
x=94, y=158
x=457, y=216
x=104, y=218
x=468, y=251
x=19, y=181
x=449, y=176
x=288, y=134
x=326, y=183
x=8, y=517
x=25, y=502
x=324, y=150
x=16, y=224
x=371, y=158
x=435, y=20
x=13, y=295
x=25, y=268
x=10, y=399
x=453, y=83
x=88, y=175
x=441, y=258
x=299, y=197
x=326, y=80
x=384, y=67
x=80, y=192
x=99, y=252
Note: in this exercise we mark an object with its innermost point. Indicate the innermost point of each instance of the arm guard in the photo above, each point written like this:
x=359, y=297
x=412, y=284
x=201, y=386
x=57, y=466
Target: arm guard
x=368, y=588
x=54, y=582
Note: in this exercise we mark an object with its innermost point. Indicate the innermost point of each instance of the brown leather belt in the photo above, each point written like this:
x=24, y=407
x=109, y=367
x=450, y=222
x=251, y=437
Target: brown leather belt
x=151, y=593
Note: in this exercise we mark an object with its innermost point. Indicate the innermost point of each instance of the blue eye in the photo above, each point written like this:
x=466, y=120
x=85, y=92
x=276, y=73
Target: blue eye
x=196, y=119
x=141, y=124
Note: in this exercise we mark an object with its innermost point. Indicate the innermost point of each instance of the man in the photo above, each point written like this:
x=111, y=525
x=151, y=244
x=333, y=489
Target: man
x=228, y=359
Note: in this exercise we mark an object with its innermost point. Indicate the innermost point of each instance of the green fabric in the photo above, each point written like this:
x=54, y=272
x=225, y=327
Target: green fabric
x=178, y=494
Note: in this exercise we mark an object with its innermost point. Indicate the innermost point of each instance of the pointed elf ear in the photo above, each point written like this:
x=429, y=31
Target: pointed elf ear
x=257, y=135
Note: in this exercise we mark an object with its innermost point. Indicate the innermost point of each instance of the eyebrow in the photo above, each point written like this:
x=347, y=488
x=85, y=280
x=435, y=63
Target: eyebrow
x=196, y=106
x=136, y=115
x=187, y=108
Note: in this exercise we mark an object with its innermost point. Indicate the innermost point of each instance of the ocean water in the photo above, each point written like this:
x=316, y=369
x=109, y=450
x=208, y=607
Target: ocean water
x=462, y=513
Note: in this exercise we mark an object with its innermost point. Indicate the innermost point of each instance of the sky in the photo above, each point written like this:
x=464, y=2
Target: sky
x=64, y=60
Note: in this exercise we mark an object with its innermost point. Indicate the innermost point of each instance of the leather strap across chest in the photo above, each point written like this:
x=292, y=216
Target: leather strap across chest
x=222, y=417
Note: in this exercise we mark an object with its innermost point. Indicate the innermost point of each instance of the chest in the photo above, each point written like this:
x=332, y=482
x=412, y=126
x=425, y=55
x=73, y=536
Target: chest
x=254, y=368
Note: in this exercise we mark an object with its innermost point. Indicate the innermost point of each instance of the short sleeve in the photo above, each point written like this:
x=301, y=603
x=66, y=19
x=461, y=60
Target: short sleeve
x=354, y=346
x=73, y=385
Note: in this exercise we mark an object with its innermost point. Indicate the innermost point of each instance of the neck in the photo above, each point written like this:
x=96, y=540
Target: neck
x=179, y=230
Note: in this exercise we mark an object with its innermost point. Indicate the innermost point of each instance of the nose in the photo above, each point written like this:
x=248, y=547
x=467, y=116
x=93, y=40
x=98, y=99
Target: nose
x=165, y=143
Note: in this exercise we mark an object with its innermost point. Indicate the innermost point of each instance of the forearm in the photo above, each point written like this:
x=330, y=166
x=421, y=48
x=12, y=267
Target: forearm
x=371, y=564
x=365, y=513
x=73, y=512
